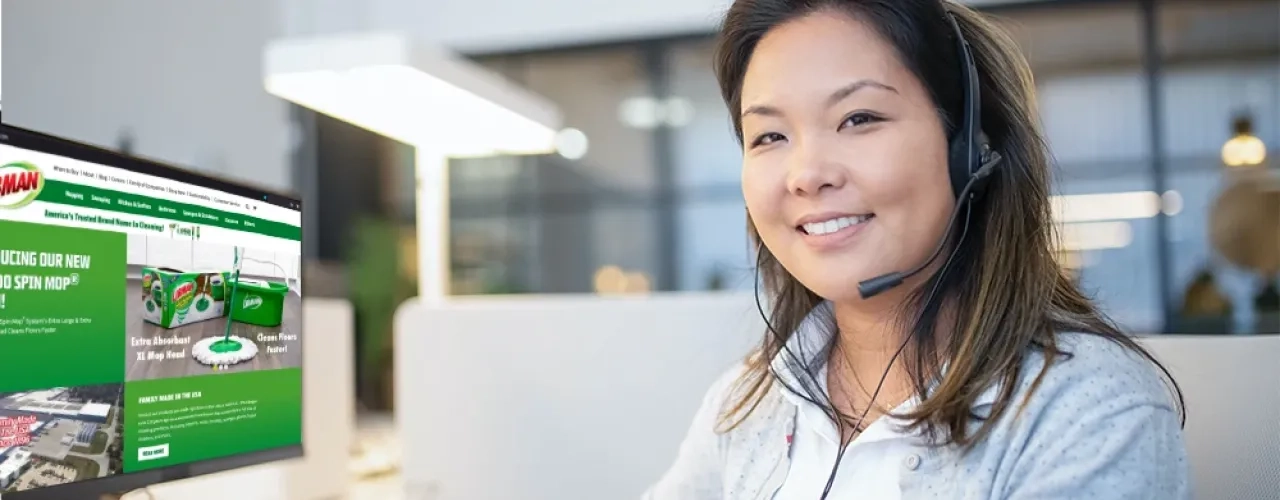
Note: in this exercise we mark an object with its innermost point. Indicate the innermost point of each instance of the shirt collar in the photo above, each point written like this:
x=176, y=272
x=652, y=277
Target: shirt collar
x=806, y=349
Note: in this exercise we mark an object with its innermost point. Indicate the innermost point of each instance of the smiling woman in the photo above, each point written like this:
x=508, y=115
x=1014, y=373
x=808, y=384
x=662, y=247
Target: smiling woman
x=878, y=137
x=838, y=135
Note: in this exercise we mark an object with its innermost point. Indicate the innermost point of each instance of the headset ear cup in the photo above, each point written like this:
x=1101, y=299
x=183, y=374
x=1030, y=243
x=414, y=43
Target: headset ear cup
x=964, y=161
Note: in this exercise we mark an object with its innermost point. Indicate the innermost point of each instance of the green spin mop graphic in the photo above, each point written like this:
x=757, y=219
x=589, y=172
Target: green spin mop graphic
x=222, y=353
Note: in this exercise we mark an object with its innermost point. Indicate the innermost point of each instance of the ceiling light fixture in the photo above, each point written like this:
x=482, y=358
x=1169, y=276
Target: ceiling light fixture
x=411, y=92
x=1243, y=149
x=422, y=95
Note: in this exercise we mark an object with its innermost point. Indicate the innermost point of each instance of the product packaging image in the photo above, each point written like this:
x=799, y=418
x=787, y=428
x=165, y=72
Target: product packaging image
x=173, y=297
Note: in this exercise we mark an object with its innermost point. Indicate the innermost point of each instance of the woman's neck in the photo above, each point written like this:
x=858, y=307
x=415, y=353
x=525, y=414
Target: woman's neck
x=867, y=331
x=869, y=337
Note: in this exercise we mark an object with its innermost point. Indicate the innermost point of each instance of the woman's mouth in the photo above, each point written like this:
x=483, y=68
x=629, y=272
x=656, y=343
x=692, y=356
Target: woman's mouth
x=833, y=232
x=834, y=225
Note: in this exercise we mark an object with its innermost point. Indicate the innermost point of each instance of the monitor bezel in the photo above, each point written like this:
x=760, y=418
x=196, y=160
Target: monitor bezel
x=127, y=481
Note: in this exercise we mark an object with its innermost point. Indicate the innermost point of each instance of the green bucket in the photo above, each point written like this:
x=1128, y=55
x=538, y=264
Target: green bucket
x=258, y=302
x=218, y=285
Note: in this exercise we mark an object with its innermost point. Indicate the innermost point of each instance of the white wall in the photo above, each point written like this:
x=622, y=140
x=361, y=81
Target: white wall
x=183, y=75
x=563, y=374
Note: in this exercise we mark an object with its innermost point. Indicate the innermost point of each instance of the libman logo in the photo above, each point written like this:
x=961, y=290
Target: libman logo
x=251, y=302
x=20, y=183
x=183, y=294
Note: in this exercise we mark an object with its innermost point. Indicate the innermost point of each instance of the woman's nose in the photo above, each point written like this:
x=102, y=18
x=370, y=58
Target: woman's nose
x=811, y=171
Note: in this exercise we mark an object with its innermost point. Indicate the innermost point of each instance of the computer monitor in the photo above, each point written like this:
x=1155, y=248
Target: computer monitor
x=150, y=321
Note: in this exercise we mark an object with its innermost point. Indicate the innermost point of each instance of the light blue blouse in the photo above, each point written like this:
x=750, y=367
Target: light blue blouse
x=1102, y=424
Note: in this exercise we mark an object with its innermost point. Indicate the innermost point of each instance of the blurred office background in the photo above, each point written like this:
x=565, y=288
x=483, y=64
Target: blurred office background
x=1154, y=110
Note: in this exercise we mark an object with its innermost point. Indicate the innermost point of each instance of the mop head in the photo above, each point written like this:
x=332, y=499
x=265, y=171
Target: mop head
x=219, y=353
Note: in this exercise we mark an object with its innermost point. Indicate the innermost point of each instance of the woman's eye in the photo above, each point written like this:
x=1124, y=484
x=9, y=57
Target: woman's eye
x=859, y=119
x=767, y=139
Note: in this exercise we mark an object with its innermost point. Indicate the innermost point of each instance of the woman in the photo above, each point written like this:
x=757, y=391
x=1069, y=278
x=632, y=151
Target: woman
x=883, y=136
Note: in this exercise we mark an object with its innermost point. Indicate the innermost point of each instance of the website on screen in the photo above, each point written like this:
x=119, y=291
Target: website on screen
x=144, y=322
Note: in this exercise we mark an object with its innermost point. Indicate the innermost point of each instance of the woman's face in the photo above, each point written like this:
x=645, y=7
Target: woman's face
x=845, y=158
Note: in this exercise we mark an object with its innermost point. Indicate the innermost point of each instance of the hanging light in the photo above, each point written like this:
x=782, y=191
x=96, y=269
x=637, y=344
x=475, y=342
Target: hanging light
x=1244, y=149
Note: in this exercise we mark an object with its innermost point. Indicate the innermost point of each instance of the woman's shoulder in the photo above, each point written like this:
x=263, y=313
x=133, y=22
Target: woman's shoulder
x=1092, y=369
x=1092, y=382
x=1099, y=419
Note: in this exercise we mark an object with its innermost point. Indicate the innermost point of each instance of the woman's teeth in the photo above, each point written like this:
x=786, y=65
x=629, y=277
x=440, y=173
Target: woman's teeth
x=836, y=224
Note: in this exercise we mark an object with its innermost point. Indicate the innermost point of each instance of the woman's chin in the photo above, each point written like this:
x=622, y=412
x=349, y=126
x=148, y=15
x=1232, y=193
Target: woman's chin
x=839, y=287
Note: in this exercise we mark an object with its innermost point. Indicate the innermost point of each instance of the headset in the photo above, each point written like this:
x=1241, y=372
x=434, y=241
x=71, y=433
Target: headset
x=970, y=162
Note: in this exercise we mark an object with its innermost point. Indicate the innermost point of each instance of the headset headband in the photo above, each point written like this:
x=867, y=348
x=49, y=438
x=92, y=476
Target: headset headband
x=969, y=144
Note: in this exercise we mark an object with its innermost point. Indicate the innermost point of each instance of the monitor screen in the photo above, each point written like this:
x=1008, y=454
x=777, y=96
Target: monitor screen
x=150, y=321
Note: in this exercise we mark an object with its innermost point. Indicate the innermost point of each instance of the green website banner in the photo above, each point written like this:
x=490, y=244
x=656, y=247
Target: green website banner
x=62, y=306
x=182, y=420
x=66, y=193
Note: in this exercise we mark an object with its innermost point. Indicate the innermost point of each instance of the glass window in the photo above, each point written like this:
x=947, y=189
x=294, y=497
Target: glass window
x=1092, y=98
x=597, y=92
x=714, y=251
x=1221, y=91
x=559, y=224
x=546, y=224
x=705, y=149
x=1218, y=68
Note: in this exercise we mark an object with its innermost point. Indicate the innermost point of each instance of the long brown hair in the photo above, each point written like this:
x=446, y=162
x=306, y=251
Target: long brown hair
x=1005, y=292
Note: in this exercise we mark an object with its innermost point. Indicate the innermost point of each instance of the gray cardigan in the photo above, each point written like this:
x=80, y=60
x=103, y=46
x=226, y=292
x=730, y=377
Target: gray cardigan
x=1102, y=425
